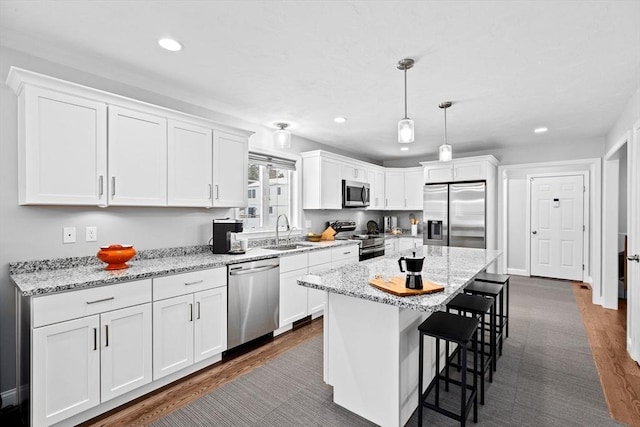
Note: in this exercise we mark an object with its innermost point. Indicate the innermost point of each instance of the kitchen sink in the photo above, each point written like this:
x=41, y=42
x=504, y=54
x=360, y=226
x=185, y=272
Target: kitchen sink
x=287, y=247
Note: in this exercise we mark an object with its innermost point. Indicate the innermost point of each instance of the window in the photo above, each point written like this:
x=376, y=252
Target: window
x=269, y=192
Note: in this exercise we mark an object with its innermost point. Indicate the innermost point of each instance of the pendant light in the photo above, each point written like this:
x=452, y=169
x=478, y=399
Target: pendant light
x=282, y=136
x=405, y=126
x=445, y=149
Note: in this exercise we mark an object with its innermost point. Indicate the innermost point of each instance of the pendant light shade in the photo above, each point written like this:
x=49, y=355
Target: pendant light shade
x=446, y=154
x=282, y=137
x=406, y=132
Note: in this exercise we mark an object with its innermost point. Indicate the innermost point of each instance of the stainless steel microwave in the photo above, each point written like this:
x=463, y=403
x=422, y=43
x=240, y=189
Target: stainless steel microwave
x=355, y=194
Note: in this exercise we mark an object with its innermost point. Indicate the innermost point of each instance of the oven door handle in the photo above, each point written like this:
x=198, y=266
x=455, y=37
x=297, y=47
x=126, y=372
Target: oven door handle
x=371, y=250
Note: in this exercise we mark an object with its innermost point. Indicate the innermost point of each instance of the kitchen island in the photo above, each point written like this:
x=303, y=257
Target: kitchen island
x=371, y=337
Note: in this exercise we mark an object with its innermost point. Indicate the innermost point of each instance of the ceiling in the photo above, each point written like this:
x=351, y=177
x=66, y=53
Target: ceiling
x=508, y=67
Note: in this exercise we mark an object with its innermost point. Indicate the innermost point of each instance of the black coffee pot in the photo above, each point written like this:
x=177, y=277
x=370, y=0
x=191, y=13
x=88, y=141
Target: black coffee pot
x=414, y=271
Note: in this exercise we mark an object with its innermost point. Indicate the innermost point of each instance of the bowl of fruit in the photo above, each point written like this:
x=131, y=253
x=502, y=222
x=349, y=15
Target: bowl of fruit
x=313, y=237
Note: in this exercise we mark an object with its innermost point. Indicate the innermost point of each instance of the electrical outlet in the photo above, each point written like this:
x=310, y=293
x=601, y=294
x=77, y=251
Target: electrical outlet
x=69, y=235
x=91, y=234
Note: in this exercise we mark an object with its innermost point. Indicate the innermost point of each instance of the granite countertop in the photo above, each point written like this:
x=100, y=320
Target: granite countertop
x=49, y=276
x=452, y=267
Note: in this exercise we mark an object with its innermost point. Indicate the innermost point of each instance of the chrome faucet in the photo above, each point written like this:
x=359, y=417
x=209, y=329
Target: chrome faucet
x=277, y=224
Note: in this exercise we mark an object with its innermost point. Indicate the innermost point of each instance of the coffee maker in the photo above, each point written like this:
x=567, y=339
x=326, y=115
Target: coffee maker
x=222, y=229
x=414, y=271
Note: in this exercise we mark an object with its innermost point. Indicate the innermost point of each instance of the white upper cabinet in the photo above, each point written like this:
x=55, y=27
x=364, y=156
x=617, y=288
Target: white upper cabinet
x=463, y=169
x=68, y=134
x=394, y=189
x=189, y=171
x=229, y=170
x=62, y=149
x=376, y=183
x=321, y=183
x=137, y=158
x=353, y=172
x=413, y=188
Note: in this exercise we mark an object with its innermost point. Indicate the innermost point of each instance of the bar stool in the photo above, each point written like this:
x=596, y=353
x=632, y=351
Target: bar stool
x=501, y=279
x=479, y=307
x=459, y=330
x=495, y=292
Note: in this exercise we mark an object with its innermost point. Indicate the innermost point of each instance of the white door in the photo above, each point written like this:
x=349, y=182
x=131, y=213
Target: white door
x=210, y=326
x=414, y=188
x=172, y=335
x=557, y=227
x=137, y=158
x=229, y=170
x=394, y=190
x=65, y=149
x=189, y=162
x=293, y=298
x=66, y=369
x=126, y=350
x=633, y=246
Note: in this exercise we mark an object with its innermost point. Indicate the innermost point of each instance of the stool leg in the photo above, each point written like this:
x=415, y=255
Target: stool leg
x=501, y=296
x=446, y=366
x=475, y=379
x=481, y=359
x=492, y=338
x=420, y=374
x=506, y=288
x=437, y=372
x=463, y=381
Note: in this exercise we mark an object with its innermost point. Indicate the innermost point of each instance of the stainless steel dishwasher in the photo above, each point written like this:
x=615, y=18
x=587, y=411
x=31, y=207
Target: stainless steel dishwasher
x=253, y=300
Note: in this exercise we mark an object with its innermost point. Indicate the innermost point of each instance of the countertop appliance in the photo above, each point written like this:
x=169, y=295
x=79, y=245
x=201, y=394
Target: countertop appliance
x=370, y=242
x=222, y=229
x=355, y=194
x=389, y=223
x=414, y=271
x=455, y=214
x=253, y=300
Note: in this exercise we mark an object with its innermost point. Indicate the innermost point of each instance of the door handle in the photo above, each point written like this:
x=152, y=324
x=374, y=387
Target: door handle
x=635, y=258
x=534, y=232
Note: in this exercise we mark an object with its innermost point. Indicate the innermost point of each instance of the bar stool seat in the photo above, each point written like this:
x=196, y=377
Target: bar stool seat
x=494, y=291
x=502, y=279
x=478, y=306
x=461, y=331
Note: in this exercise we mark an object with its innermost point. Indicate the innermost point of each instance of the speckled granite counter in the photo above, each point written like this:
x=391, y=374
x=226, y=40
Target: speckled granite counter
x=452, y=267
x=49, y=276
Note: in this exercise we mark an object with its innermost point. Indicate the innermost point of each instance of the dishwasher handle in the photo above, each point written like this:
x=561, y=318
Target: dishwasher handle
x=240, y=271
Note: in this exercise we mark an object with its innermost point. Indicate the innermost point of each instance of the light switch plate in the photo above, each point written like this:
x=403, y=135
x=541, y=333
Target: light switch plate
x=69, y=235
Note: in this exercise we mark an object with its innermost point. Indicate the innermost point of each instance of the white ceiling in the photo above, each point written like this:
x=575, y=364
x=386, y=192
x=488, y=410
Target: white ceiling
x=508, y=67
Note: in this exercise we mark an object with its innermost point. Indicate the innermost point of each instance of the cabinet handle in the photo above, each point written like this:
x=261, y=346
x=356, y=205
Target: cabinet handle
x=217, y=192
x=194, y=283
x=198, y=309
x=190, y=312
x=100, y=300
x=100, y=186
x=113, y=186
x=106, y=335
x=386, y=202
x=95, y=338
x=405, y=203
x=210, y=192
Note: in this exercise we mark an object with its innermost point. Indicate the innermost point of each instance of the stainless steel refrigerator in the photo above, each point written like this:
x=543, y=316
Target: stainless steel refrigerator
x=454, y=214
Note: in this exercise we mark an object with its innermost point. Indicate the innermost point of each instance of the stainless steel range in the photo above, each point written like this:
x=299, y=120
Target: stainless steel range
x=371, y=243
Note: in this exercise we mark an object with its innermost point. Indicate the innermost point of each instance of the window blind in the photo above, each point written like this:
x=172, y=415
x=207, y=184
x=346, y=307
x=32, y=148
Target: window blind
x=273, y=161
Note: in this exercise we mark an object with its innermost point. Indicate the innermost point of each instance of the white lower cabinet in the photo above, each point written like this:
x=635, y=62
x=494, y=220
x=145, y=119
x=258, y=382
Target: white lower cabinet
x=80, y=363
x=191, y=326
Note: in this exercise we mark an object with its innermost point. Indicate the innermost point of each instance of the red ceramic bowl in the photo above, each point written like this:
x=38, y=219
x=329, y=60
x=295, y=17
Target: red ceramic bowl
x=116, y=256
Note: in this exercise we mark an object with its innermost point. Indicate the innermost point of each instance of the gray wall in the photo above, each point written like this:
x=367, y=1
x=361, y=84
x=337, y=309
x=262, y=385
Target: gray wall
x=629, y=116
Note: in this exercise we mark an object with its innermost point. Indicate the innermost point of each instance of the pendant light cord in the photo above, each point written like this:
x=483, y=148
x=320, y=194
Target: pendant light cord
x=445, y=126
x=405, y=92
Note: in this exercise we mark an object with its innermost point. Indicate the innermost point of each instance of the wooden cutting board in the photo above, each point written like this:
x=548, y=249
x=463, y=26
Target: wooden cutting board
x=395, y=286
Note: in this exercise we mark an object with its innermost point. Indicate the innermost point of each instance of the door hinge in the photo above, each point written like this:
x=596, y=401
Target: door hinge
x=583, y=267
x=583, y=229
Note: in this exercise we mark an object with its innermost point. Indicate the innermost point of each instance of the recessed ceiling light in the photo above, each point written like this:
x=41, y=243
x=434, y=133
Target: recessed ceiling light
x=170, y=44
x=541, y=130
x=340, y=119
x=404, y=148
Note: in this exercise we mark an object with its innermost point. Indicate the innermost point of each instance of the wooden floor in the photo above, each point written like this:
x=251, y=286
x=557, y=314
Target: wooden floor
x=151, y=407
x=606, y=331
x=619, y=374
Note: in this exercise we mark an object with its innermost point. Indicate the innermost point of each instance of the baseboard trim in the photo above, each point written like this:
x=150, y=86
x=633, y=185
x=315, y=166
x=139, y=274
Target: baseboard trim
x=8, y=397
x=517, y=272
